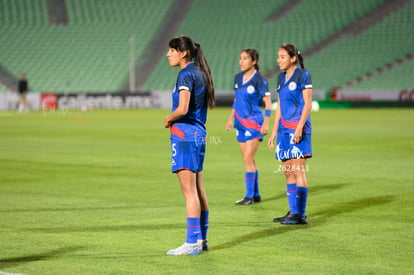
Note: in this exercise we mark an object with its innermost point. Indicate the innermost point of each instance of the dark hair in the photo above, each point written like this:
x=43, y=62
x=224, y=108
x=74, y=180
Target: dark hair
x=293, y=51
x=195, y=53
x=254, y=55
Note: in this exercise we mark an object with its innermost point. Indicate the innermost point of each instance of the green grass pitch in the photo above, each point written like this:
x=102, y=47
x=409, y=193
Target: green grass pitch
x=92, y=193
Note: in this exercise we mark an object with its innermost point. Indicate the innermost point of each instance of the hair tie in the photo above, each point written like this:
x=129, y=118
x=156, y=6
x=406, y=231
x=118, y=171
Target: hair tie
x=197, y=45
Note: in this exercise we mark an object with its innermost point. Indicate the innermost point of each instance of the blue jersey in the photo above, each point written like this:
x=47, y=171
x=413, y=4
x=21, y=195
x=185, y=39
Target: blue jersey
x=248, y=99
x=291, y=100
x=190, y=127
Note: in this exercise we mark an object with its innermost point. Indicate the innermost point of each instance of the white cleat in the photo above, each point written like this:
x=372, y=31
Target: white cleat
x=186, y=249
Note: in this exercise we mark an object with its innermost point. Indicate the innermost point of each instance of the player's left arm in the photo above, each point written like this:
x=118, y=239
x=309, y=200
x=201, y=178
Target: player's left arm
x=268, y=111
x=307, y=97
x=181, y=110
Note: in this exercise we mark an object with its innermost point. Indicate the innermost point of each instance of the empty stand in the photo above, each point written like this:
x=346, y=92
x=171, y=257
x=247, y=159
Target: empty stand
x=91, y=53
x=224, y=29
x=399, y=77
x=353, y=57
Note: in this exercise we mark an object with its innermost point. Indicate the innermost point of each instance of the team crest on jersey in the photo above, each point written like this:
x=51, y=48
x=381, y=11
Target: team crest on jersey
x=250, y=89
x=292, y=86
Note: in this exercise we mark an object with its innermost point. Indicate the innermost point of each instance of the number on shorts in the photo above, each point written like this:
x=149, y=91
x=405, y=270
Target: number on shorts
x=174, y=151
x=291, y=139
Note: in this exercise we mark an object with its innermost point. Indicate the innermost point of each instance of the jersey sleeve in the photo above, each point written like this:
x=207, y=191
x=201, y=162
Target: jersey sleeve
x=237, y=80
x=185, y=81
x=306, y=80
x=263, y=87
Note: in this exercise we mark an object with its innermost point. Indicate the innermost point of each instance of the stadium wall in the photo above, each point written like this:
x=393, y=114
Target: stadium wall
x=162, y=99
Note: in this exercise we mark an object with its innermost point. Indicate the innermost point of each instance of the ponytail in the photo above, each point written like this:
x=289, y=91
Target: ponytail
x=201, y=61
x=195, y=53
x=293, y=51
x=300, y=59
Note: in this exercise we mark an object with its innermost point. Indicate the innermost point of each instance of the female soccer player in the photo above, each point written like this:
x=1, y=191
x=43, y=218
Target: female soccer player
x=192, y=95
x=250, y=89
x=293, y=128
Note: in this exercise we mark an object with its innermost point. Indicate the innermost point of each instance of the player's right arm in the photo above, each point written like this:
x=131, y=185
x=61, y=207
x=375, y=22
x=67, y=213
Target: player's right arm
x=271, y=141
x=181, y=110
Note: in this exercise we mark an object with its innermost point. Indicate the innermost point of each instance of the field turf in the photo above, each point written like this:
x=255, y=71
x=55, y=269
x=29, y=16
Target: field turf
x=92, y=193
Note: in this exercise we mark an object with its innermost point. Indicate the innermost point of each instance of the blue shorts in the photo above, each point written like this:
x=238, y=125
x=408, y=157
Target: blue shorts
x=187, y=155
x=286, y=149
x=246, y=135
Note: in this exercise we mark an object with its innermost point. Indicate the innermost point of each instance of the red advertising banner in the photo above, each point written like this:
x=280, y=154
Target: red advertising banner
x=48, y=101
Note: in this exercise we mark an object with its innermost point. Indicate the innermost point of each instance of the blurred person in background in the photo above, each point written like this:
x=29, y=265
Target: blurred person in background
x=22, y=89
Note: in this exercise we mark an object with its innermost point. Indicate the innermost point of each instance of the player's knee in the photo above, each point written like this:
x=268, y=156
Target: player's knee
x=248, y=161
x=289, y=173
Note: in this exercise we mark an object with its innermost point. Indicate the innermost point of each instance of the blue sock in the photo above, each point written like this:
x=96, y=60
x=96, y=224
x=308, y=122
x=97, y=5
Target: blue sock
x=256, y=185
x=204, y=224
x=301, y=200
x=250, y=178
x=291, y=196
x=193, y=230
